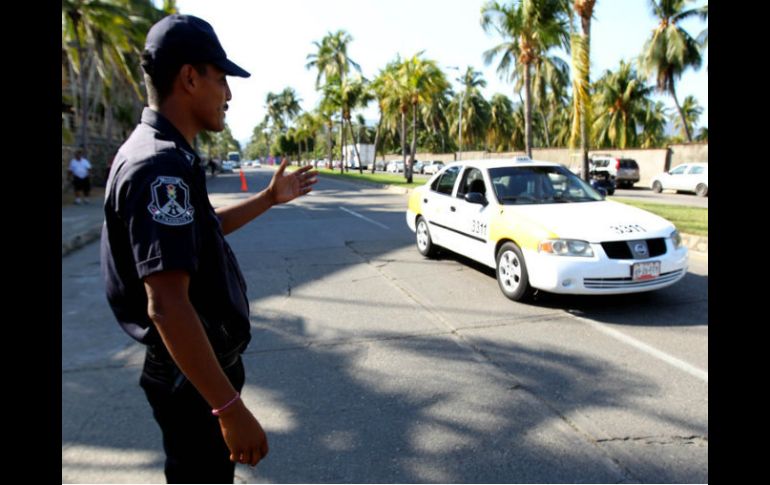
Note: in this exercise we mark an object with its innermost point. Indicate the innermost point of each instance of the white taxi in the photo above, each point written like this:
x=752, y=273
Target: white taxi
x=541, y=227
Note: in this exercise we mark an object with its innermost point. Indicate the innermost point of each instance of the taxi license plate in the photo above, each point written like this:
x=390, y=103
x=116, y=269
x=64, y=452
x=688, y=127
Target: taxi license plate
x=645, y=271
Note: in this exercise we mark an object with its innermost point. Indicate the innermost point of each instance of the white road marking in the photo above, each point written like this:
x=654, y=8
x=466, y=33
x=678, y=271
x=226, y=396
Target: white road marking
x=649, y=349
x=364, y=218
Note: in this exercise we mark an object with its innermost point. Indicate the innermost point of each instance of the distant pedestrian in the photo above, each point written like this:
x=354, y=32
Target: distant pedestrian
x=171, y=278
x=212, y=167
x=80, y=174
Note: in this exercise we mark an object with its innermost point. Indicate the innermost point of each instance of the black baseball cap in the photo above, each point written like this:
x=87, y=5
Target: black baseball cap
x=184, y=39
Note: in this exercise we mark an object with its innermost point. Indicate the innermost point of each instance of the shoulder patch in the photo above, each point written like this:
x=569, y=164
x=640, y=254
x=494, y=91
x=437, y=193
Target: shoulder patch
x=170, y=202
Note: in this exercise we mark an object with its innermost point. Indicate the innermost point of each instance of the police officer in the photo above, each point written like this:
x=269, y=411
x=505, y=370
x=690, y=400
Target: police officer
x=171, y=278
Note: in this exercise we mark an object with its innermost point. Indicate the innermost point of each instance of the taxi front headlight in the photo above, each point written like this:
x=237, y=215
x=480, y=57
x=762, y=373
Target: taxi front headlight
x=566, y=247
x=676, y=239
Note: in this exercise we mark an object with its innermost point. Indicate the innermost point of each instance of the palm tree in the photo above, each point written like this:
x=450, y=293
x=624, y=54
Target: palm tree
x=382, y=89
x=655, y=119
x=670, y=50
x=326, y=111
x=692, y=112
x=476, y=117
x=703, y=37
x=331, y=58
x=500, y=123
x=333, y=63
x=581, y=80
x=550, y=77
x=349, y=95
x=530, y=29
x=434, y=115
x=471, y=81
x=289, y=105
x=421, y=79
x=620, y=102
x=103, y=38
x=518, y=137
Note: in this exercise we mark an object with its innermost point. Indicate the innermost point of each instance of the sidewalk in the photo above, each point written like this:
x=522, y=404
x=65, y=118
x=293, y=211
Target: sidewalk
x=82, y=224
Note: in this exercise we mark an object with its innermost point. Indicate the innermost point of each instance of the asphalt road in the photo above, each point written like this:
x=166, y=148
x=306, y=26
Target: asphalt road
x=370, y=363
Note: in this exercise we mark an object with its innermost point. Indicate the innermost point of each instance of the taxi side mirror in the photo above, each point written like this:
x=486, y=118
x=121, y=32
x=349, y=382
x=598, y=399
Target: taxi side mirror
x=476, y=198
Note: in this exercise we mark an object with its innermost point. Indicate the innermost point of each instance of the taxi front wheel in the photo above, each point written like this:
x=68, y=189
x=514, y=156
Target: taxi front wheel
x=512, y=273
x=424, y=242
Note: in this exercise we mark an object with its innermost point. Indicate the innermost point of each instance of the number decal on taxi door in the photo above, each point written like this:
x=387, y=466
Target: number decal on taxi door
x=478, y=227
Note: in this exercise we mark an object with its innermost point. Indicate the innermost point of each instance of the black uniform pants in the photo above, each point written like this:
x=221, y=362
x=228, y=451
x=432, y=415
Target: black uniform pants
x=192, y=438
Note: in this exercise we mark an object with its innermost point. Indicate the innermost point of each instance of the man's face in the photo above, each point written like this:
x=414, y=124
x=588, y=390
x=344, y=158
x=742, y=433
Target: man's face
x=211, y=99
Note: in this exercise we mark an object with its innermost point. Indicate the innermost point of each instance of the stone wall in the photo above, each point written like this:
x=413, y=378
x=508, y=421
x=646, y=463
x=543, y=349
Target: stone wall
x=689, y=152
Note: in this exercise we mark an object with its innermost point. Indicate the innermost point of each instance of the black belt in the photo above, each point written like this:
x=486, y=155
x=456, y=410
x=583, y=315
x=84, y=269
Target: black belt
x=159, y=353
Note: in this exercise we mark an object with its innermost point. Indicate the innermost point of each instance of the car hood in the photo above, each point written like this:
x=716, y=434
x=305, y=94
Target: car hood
x=591, y=221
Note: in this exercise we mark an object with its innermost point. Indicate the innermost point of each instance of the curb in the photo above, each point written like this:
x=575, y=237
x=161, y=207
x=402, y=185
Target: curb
x=79, y=240
x=698, y=244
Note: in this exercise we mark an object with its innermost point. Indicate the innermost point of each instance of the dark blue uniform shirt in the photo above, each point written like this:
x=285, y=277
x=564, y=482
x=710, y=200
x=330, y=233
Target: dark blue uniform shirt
x=157, y=218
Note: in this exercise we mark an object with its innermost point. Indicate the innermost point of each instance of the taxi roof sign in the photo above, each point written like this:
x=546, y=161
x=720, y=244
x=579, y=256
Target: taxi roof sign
x=522, y=159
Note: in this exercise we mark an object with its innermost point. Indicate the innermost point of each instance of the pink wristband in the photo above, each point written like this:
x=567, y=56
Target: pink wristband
x=216, y=411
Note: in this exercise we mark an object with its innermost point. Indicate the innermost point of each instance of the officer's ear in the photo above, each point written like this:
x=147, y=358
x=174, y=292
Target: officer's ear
x=188, y=77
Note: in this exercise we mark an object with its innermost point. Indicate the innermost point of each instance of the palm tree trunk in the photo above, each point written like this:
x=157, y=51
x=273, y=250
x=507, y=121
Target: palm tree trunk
x=355, y=148
x=527, y=111
x=585, y=22
x=329, y=127
x=342, y=146
x=412, y=149
x=681, y=113
x=83, y=137
x=403, y=138
x=376, y=139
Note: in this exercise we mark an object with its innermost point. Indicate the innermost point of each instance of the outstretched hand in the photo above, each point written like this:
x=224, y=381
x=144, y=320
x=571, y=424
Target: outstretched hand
x=285, y=187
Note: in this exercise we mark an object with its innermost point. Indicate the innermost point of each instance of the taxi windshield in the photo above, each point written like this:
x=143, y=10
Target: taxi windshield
x=540, y=185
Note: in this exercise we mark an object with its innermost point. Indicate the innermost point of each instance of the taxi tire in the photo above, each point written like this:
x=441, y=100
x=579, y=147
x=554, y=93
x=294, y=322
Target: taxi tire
x=429, y=250
x=511, y=252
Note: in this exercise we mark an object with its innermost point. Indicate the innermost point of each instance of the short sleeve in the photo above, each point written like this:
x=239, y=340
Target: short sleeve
x=162, y=221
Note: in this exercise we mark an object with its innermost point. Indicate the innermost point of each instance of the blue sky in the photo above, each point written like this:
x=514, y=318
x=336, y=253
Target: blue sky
x=272, y=38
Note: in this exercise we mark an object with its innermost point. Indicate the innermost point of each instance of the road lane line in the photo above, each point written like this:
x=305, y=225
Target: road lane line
x=649, y=349
x=364, y=218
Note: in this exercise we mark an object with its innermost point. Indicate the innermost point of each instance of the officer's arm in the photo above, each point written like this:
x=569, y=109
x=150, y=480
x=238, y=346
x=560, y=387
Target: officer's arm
x=169, y=307
x=283, y=188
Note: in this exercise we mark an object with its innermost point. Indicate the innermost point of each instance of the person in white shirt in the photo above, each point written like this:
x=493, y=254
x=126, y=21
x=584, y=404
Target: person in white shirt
x=80, y=169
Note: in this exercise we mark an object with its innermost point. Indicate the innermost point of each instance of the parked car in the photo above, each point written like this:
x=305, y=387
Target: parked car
x=602, y=180
x=625, y=170
x=433, y=168
x=226, y=166
x=689, y=177
x=395, y=166
x=541, y=227
x=418, y=167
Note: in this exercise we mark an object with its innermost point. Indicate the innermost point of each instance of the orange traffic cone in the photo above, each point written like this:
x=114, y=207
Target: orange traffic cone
x=244, y=187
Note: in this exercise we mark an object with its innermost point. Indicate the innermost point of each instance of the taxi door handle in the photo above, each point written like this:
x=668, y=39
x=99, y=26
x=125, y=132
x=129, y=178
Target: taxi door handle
x=452, y=208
